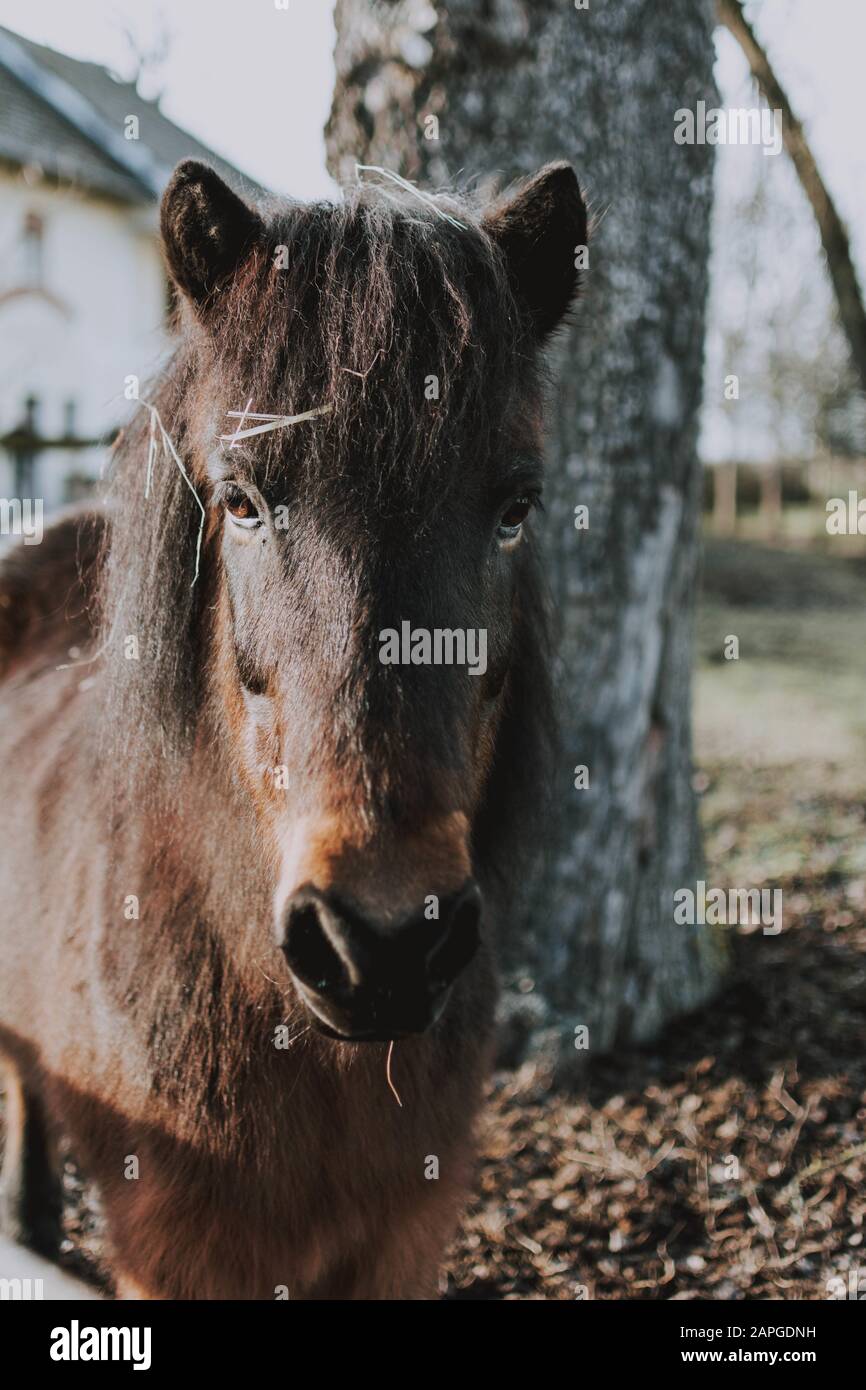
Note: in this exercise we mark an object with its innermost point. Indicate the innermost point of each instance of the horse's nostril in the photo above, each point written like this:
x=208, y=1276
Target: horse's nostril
x=368, y=980
x=309, y=950
x=459, y=941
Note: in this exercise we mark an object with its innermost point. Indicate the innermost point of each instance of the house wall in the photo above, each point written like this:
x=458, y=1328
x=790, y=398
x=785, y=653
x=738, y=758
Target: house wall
x=97, y=317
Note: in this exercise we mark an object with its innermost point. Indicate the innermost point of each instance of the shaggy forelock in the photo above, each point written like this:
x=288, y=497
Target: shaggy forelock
x=404, y=325
x=376, y=298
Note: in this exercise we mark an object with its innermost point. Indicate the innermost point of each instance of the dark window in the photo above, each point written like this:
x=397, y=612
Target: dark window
x=32, y=250
x=24, y=461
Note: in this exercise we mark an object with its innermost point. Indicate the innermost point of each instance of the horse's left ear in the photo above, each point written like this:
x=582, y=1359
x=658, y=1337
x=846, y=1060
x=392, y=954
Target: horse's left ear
x=206, y=230
x=542, y=229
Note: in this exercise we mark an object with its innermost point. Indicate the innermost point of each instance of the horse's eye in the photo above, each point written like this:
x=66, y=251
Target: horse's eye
x=512, y=519
x=241, y=509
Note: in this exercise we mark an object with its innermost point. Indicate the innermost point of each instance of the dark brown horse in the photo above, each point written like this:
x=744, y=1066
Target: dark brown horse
x=242, y=853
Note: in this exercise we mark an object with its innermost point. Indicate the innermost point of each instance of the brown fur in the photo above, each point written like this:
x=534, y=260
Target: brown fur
x=261, y=1167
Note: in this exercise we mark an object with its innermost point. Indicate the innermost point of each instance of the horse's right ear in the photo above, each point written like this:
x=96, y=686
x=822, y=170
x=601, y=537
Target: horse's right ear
x=206, y=230
x=540, y=229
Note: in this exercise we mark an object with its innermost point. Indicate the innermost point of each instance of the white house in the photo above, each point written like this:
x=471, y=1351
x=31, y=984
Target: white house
x=83, y=292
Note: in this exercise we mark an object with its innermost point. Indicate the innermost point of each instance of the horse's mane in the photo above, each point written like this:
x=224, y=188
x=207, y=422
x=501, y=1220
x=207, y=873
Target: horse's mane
x=375, y=296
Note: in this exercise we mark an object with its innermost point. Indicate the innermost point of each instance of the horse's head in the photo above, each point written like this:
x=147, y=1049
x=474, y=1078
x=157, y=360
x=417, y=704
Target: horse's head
x=370, y=605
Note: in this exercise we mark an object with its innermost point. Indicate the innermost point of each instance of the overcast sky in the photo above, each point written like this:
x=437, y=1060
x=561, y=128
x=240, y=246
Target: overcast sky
x=254, y=82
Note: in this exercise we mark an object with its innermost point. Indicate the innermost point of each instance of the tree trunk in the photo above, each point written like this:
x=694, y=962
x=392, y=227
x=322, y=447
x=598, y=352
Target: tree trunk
x=512, y=84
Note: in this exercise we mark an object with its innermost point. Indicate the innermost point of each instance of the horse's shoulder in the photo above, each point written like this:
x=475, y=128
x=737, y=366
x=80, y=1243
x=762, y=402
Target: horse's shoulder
x=46, y=589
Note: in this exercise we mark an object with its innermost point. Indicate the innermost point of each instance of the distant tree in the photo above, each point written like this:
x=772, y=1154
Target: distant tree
x=776, y=333
x=834, y=237
x=148, y=50
x=840, y=422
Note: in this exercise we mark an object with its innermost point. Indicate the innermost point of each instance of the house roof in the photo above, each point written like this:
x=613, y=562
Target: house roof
x=67, y=117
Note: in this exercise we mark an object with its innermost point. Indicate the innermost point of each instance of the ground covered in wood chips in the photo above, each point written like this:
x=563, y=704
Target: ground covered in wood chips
x=727, y=1161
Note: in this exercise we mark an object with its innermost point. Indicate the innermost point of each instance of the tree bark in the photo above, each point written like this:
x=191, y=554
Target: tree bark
x=512, y=84
x=834, y=237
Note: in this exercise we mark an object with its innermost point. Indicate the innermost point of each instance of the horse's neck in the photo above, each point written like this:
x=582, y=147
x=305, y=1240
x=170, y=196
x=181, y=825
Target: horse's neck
x=222, y=871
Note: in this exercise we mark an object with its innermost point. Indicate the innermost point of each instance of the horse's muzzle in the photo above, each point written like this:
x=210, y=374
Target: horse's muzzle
x=369, y=983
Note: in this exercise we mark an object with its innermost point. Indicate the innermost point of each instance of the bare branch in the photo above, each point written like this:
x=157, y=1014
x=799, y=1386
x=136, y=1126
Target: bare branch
x=834, y=237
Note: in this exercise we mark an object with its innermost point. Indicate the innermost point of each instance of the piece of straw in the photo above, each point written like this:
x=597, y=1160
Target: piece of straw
x=388, y=1074
x=168, y=445
x=87, y=660
x=243, y=417
x=410, y=188
x=274, y=422
x=151, y=457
